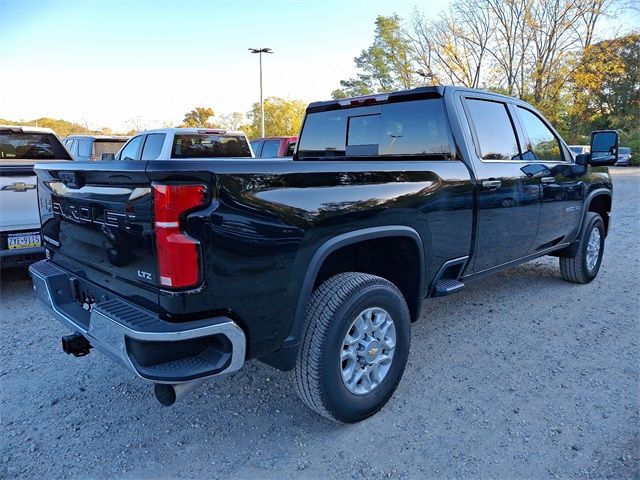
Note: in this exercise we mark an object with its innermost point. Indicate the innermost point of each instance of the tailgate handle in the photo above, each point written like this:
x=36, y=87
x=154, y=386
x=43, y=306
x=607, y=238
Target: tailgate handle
x=71, y=179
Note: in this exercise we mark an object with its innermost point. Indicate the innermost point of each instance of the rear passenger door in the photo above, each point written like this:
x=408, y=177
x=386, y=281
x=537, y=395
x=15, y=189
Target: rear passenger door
x=507, y=192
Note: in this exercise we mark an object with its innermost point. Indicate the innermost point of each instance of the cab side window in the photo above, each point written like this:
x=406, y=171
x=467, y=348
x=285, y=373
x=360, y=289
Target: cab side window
x=494, y=130
x=270, y=149
x=84, y=147
x=153, y=146
x=541, y=144
x=131, y=150
x=256, y=146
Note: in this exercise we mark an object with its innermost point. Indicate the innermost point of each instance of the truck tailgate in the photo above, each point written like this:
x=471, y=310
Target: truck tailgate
x=97, y=223
x=18, y=198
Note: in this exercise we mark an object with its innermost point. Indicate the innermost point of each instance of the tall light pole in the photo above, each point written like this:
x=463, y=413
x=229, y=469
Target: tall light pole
x=260, y=51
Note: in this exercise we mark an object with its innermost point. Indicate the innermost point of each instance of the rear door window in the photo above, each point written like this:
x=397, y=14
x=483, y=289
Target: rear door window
x=153, y=146
x=270, y=148
x=412, y=128
x=494, y=131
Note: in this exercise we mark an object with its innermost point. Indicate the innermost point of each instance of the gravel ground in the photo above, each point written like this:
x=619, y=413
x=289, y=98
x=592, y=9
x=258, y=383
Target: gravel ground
x=521, y=375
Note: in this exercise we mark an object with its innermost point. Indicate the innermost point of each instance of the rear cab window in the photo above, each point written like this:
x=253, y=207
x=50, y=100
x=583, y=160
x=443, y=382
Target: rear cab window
x=102, y=146
x=16, y=146
x=209, y=146
x=413, y=128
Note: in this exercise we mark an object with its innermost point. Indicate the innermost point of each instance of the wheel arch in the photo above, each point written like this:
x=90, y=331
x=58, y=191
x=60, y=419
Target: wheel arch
x=599, y=201
x=284, y=358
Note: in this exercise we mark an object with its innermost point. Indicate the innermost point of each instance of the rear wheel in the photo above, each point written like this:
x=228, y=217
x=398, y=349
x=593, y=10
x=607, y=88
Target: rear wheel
x=355, y=347
x=584, y=267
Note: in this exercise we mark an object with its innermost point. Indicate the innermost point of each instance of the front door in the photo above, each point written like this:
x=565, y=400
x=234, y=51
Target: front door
x=562, y=182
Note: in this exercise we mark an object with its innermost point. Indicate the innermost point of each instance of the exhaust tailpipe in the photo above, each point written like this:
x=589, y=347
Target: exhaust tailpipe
x=168, y=394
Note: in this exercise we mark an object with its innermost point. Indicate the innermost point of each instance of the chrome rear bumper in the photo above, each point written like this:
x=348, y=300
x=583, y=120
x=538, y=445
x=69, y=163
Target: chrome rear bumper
x=155, y=350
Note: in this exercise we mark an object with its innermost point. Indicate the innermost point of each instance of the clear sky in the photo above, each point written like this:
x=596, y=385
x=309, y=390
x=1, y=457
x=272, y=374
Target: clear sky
x=104, y=62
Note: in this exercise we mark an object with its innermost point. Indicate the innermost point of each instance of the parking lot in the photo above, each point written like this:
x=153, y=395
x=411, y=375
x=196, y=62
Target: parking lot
x=520, y=375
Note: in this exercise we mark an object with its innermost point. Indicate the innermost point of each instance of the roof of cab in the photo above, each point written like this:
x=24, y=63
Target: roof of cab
x=383, y=97
x=193, y=131
x=100, y=137
x=26, y=129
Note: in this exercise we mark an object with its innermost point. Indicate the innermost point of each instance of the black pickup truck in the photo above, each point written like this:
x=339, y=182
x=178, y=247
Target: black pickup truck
x=184, y=269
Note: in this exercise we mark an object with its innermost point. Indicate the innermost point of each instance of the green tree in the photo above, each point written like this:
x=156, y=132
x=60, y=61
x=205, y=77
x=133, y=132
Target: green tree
x=385, y=66
x=198, y=117
x=606, y=86
x=281, y=117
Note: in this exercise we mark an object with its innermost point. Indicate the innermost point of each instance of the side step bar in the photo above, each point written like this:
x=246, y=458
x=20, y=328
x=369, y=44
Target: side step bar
x=446, y=287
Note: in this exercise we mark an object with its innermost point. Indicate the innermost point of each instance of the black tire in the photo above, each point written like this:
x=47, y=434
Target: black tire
x=332, y=309
x=576, y=269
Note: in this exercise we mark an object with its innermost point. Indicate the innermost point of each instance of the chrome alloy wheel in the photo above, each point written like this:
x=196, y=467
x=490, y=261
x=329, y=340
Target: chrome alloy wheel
x=367, y=351
x=593, y=249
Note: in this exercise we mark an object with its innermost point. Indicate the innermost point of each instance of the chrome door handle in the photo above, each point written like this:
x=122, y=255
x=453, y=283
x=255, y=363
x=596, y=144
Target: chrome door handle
x=548, y=179
x=491, y=183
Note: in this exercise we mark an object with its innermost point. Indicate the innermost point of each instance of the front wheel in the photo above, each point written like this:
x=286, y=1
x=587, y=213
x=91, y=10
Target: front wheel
x=585, y=265
x=355, y=347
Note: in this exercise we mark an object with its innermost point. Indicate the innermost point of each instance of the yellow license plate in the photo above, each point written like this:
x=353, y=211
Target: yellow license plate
x=23, y=240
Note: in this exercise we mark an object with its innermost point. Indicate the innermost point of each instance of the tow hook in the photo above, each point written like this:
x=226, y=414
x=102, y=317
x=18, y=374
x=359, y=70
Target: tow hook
x=76, y=345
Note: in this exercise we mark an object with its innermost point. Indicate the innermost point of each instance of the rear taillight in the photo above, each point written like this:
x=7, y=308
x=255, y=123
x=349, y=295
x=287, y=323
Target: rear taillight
x=178, y=253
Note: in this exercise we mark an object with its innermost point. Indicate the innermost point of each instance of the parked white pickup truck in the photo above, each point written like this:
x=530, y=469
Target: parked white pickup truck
x=20, y=149
x=184, y=143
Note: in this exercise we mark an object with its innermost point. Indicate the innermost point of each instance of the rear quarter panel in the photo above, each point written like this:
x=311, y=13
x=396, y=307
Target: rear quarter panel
x=271, y=216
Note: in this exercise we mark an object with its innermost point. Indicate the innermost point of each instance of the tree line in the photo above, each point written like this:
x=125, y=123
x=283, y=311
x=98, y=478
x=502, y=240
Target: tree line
x=542, y=51
x=282, y=117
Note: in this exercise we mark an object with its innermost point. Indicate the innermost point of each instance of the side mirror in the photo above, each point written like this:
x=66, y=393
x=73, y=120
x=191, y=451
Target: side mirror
x=106, y=157
x=604, y=148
